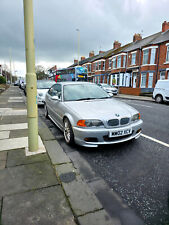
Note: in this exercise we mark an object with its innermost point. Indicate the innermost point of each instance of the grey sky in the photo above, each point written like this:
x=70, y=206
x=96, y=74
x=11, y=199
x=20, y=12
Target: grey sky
x=55, y=22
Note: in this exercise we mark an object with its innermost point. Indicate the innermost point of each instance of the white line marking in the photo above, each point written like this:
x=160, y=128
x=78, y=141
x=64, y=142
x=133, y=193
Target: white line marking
x=15, y=143
x=15, y=100
x=4, y=134
x=155, y=140
x=17, y=126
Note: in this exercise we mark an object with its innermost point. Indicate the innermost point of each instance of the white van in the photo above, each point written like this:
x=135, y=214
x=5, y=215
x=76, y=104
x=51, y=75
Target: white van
x=161, y=91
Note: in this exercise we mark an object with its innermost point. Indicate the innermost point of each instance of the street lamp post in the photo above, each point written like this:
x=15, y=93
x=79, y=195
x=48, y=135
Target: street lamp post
x=31, y=82
x=78, y=44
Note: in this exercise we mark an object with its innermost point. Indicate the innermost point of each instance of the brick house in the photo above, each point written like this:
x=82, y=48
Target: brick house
x=135, y=67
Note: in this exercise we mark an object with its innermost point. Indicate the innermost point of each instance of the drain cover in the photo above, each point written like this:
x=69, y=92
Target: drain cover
x=67, y=177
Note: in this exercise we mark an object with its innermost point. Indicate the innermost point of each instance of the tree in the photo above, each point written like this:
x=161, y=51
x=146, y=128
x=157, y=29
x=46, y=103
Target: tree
x=40, y=72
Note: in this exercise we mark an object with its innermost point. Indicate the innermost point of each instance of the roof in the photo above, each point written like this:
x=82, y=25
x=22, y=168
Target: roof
x=145, y=41
x=163, y=37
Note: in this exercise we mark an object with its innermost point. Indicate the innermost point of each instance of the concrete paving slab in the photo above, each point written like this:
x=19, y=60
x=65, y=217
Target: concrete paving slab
x=17, y=157
x=18, y=133
x=4, y=134
x=3, y=156
x=15, y=98
x=13, y=119
x=17, y=126
x=26, y=177
x=81, y=198
x=66, y=168
x=41, y=207
x=96, y=218
x=16, y=143
x=56, y=153
x=15, y=101
x=2, y=164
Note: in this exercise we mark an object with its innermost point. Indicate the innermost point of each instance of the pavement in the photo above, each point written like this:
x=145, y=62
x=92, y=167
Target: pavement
x=44, y=188
x=134, y=97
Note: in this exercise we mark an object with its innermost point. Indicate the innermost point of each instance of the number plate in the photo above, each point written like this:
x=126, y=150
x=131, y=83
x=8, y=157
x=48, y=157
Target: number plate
x=119, y=133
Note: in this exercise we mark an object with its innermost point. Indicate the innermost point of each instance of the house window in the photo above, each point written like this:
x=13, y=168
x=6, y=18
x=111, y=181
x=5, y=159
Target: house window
x=124, y=61
x=96, y=66
x=153, y=55
x=99, y=65
x=145, y=56
x=143, y=80
x=110, y=61
x=162, y=75
x=114, y=62
x=118, y=61
x=103, y=65
x=118, y=79
x=150, y=80
x=89, y=67
x=167, y=56
x=133, y=58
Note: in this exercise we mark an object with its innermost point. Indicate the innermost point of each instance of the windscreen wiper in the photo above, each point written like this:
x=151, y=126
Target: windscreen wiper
x=81, y=99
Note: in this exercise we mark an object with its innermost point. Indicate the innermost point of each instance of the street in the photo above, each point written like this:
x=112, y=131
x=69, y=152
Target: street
x=137, y=170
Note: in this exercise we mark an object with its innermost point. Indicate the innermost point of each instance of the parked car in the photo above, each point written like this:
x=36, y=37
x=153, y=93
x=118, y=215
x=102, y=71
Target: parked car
x=87, y=115
x=109, y=88
x=42, y=87
x=16, y=83
x=161, y=91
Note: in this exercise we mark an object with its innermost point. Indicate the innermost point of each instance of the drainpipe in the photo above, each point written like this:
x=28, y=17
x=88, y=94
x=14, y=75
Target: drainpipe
x=158, y=63
x=140, y=67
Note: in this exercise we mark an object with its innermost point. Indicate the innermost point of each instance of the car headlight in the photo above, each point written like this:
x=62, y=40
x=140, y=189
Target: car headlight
x=135, y=117
x=90, y=123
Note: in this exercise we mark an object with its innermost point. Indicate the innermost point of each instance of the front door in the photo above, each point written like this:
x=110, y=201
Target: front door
x=134, y=80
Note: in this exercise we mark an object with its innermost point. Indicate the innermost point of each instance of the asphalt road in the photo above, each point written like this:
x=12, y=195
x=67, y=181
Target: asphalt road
x=137, y=171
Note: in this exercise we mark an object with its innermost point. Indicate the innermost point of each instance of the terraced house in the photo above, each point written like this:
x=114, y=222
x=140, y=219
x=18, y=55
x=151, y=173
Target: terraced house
x=135, y=67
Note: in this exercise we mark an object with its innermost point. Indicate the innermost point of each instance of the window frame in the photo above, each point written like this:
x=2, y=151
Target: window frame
x=145, y=55
x=141, y=83
x=133, y=62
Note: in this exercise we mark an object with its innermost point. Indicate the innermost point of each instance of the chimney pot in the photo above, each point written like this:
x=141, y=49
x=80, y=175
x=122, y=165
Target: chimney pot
x=91, y=54
x=165, y=26
x=116, y=45
x=137, y=37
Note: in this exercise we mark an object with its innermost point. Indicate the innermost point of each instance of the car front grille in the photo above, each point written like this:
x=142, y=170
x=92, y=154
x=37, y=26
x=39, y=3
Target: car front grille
x=113, y=122
x=124, y=121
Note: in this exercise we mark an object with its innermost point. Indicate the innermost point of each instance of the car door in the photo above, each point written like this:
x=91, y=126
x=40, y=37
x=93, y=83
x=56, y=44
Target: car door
x=56, y=105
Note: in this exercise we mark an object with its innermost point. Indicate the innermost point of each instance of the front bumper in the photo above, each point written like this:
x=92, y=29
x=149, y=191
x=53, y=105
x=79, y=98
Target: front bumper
x=100, y=136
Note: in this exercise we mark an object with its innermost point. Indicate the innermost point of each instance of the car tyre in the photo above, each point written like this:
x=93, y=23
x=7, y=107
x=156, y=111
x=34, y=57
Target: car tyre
x=159, y=98
x=46, y=111
x=68, y=132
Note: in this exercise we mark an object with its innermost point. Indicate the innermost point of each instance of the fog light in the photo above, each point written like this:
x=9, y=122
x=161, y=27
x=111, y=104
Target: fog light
x=91, y=139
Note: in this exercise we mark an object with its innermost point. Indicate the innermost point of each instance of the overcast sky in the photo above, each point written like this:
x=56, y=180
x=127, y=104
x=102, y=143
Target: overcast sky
x=55, y=22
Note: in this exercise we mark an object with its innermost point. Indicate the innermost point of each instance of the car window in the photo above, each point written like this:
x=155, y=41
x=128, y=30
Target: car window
x=55, y=90
x=83, y=92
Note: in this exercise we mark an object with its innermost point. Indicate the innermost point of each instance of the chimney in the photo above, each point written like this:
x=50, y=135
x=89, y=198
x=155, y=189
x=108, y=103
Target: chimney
x=91, y=54
x=100, y=52
x=137, y=37
x=75, y=61
x=116, y=45
x=165, y=26
x=82, y=58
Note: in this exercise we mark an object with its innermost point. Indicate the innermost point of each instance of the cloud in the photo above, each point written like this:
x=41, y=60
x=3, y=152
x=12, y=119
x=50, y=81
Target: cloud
x=55, y=22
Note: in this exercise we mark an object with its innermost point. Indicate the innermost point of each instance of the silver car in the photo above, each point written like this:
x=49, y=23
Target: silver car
x=42, y=87
x=88, y=116
x=109, y=88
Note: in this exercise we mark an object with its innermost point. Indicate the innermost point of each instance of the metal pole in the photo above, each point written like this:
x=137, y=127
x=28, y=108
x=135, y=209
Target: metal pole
x=78, y=46
x=31, y=82
x=10, y=56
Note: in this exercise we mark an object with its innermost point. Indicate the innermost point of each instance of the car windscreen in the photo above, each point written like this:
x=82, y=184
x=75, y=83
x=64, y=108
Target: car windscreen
x=44, y=84
x=83, y=92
